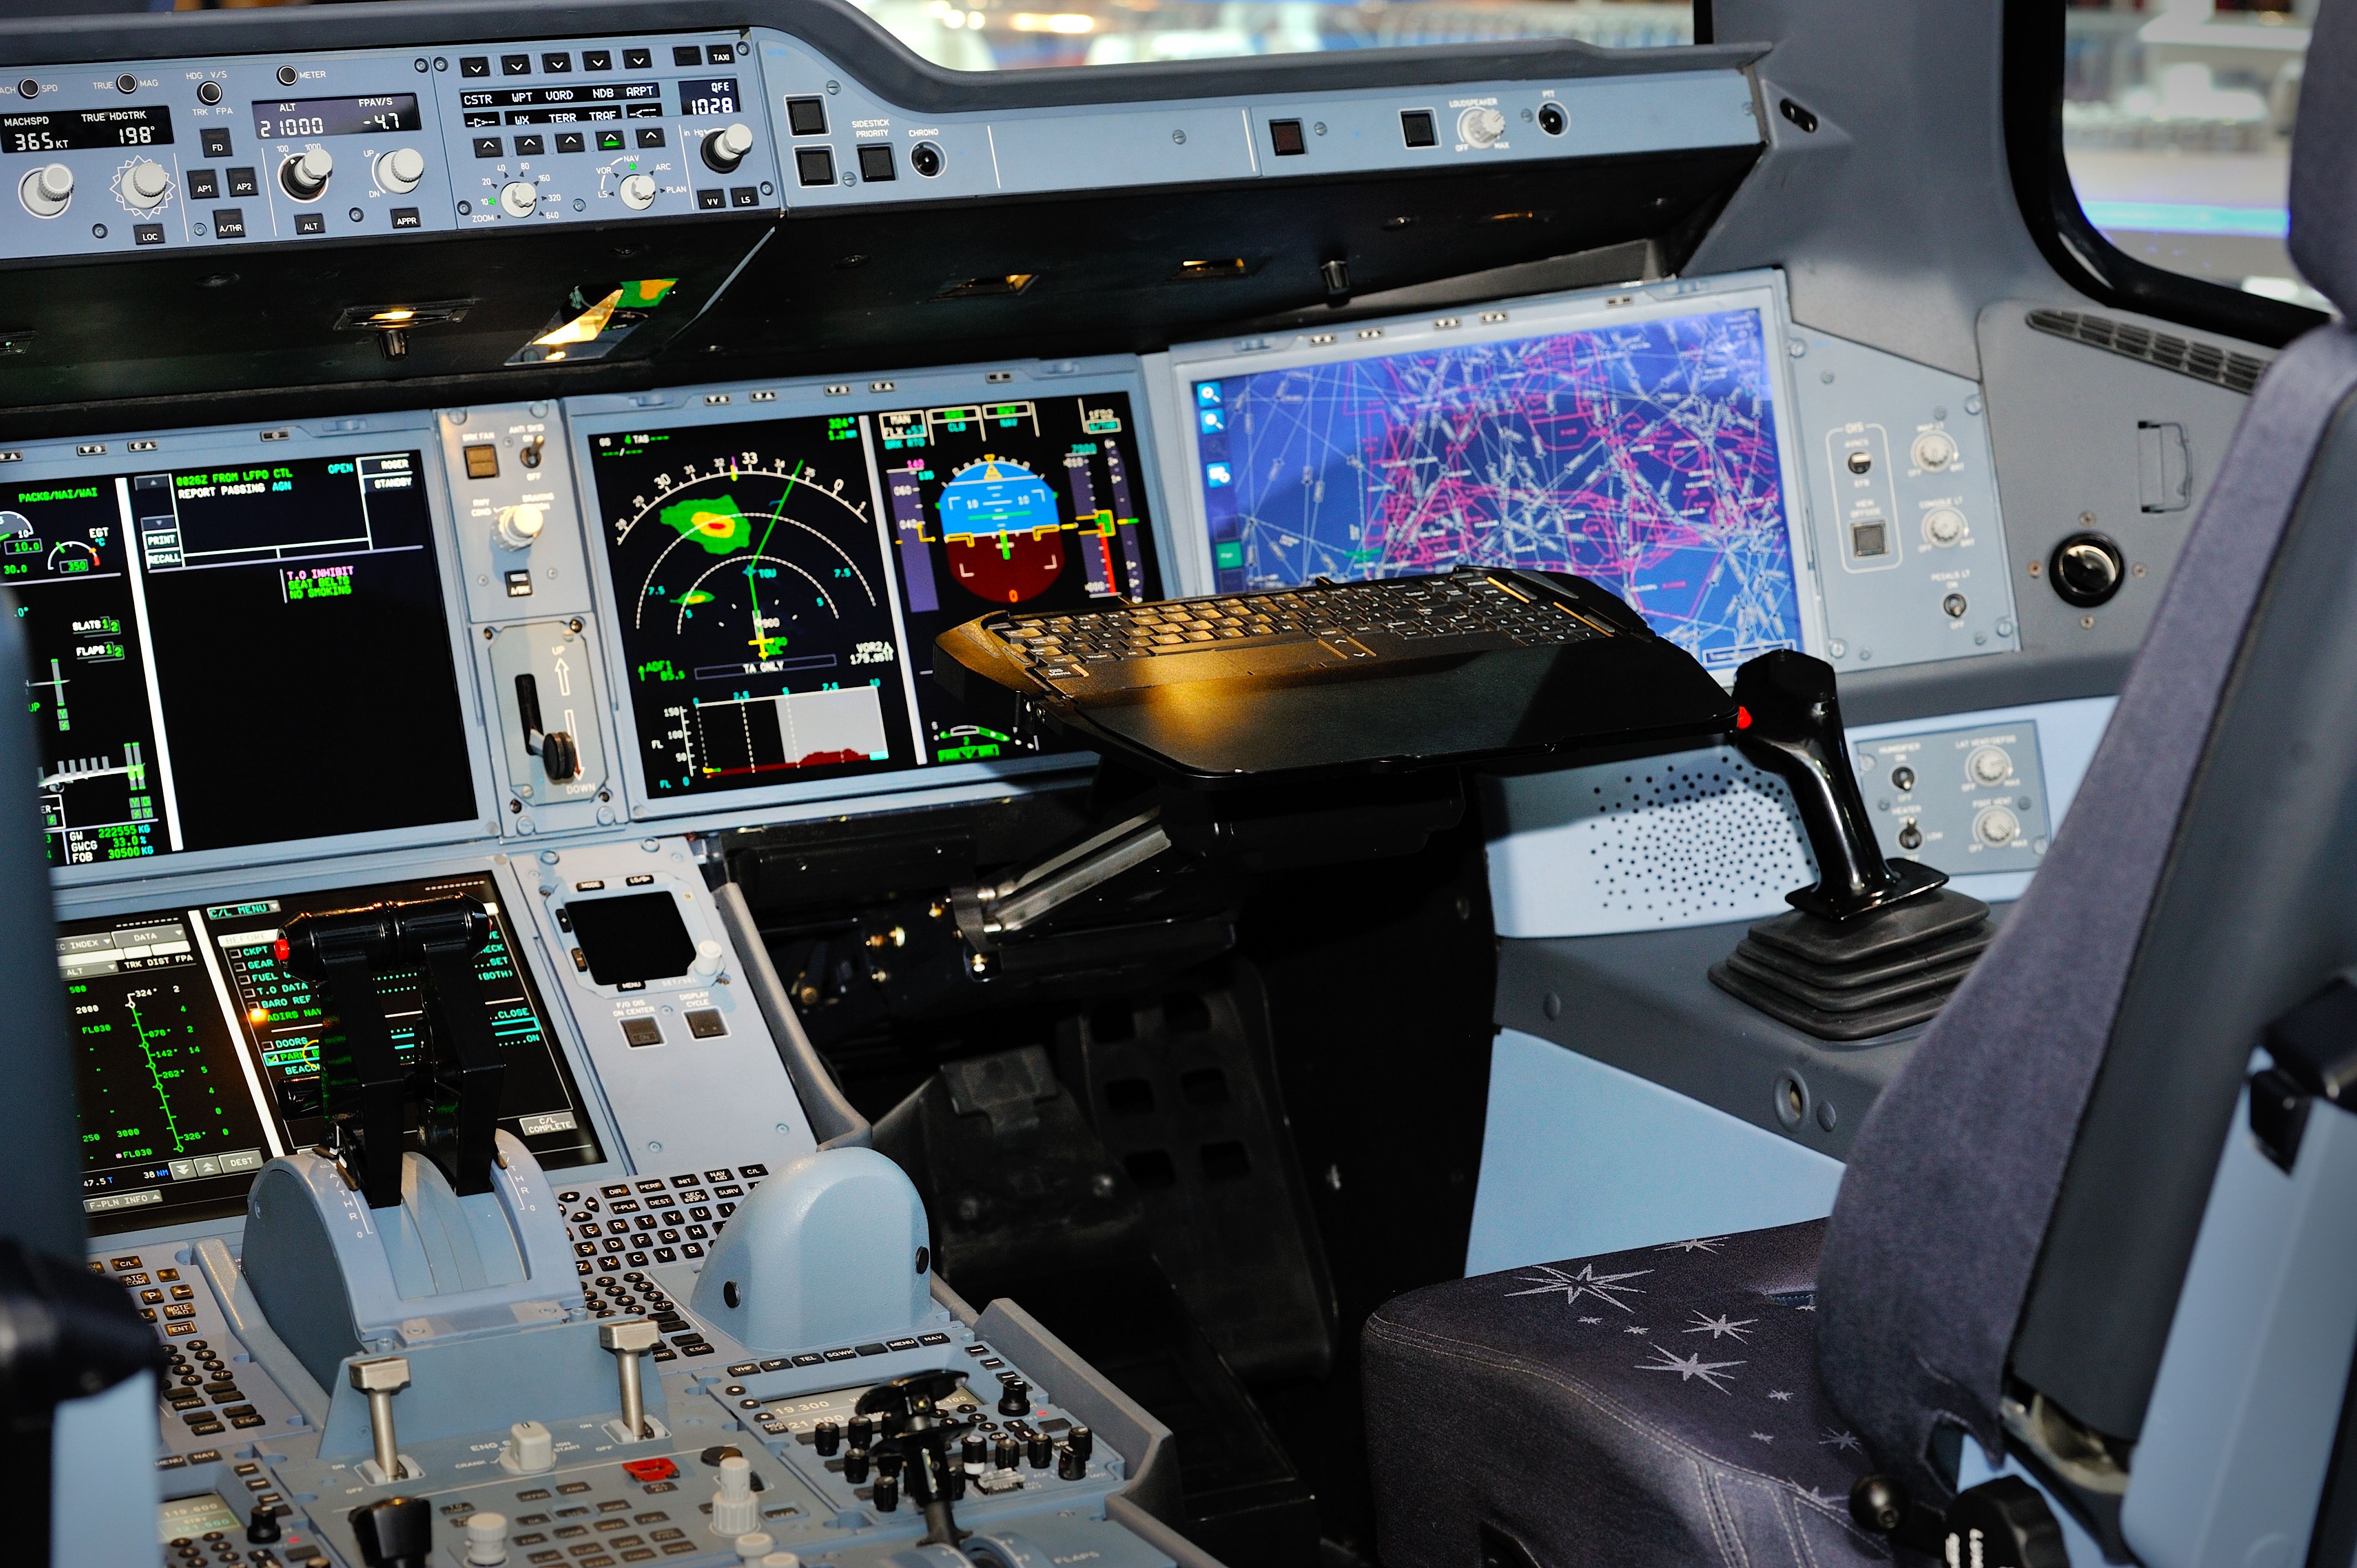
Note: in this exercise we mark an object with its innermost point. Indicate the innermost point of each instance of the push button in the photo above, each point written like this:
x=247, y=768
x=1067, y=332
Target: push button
x=204, y=184
x=641, y=1032
x=706, y=1023
x=244, y=182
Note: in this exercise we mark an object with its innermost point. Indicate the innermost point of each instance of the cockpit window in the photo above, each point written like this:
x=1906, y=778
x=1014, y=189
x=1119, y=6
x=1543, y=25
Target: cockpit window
x=2177, y=123
x=1006, y=35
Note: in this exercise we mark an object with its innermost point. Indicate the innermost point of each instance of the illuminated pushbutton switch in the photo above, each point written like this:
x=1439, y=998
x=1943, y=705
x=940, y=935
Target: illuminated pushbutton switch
x=46, y=191
x=1480, y=128
x=399, y=170
x=638, y=191
x=725, y=149
x=519, y=198
x=519, y=526
x=145, y=185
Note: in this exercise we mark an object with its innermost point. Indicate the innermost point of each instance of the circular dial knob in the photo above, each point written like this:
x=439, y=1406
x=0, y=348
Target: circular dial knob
x=305, y=175
x=708, y=954
x=145, y=185
x=519, y=198
x=1989, y=764
x=1934, y=449
x=724, y=150
x=2086, y=569
x=399, y=170
x=517, y=526
x=638, y=191
x=46, y=191
x=1996, y=827
x=1943, y=525
x=1482, y=127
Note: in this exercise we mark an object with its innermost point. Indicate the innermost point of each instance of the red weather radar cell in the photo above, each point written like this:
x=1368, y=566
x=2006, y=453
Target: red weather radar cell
x=1001, y=533
x=1641, y=455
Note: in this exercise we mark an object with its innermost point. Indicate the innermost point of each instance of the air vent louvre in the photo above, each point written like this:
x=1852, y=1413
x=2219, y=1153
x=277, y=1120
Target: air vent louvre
x=2203, y=362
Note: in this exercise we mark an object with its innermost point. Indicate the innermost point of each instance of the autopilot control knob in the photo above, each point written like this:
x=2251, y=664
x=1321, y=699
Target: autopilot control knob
x=1016, y=1398
x=519, y=525
x=393, y=1532
x=725, y=149
x=47, y=190
x=399, y=170
x=262, y=1525
x=638, y=191
x=1480, y=126
x=305, y=175
x=519, y=198
x=145, y=185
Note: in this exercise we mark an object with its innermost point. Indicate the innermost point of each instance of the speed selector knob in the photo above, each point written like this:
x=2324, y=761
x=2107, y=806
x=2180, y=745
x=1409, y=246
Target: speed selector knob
x=46, y=190
x=724, y=150
x=638, y=192
x=145, y=185
x=399, y=170
x=305, y=175
x=1480, y=126
x=519, y=198
x=517, y=526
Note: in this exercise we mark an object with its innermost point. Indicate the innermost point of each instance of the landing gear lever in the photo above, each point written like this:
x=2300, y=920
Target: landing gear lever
x=1875, y=944
x=559, y=757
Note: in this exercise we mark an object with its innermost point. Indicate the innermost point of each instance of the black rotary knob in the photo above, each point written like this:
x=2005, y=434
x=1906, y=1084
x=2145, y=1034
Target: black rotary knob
x=1083, y=1440
x=887, y=1464
x=1070, y=1464
x=1040, y=1449
x=1008, y=1453
x=886, y=1495
x=1016, y=1400
x=862, y=1431
x=2086, y=569
x=393, y=1532
x=827, y=1437
x=855, y=1465
x=261, y=1527
x=974, y=1450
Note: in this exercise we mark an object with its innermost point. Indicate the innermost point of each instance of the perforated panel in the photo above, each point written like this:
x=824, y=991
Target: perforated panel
x=1684, y=840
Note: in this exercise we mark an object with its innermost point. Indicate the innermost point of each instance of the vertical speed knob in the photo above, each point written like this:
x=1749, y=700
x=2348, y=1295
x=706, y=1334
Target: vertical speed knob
x=638, y=192
x=399, y=170
x=145, y=185
x=305, y=175
x=46, y=190
x=725, y=149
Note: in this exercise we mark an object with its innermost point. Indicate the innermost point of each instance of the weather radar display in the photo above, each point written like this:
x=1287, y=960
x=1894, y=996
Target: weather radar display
x=1641, y=454
x=756, y=615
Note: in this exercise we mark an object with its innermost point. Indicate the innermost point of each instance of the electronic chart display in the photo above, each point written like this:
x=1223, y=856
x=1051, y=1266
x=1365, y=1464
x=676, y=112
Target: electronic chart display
x=1639, y=448
x=778, y=583
x=211, y=654
x=197, y=1050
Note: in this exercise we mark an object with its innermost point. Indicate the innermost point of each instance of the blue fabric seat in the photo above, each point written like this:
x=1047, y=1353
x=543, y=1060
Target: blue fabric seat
x=1659, y=1406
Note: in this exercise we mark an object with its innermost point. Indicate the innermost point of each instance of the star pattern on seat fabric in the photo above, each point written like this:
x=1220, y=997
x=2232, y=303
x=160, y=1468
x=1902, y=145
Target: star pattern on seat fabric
x=1688, y=1367
x=1605, y=1288
x=1782, y=1396
x=1841, y=1442
x=1725, y=1326
x=1699, y=1245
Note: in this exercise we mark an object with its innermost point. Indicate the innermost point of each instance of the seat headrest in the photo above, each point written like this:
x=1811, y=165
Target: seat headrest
x=2324, y=159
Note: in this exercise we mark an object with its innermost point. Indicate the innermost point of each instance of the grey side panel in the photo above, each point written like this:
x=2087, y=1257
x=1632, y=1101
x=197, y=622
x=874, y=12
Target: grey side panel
x=41, y=1169
x=834, y=1122
x=1140, y=1439
x=1643, y=1002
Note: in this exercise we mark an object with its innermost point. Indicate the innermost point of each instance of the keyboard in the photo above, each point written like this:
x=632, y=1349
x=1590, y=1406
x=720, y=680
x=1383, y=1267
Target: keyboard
x=1478, y=667
x=1284, y=632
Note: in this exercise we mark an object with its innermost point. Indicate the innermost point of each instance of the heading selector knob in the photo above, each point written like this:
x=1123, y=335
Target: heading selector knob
x=399, y=170
x=305, y=175
x=1480, y=126
x=517, y=526
x=46, y=190
x=145, y=185
x=638, y=191
x=519, y=198
x=724, y=150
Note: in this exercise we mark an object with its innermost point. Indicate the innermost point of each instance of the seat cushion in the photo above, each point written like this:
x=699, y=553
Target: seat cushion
x=1658, y=1406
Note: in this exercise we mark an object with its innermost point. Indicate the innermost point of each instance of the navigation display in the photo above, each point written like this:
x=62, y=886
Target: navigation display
x=779, y=583
x=211, y=655
x=1641, y=454
x=198, y=1051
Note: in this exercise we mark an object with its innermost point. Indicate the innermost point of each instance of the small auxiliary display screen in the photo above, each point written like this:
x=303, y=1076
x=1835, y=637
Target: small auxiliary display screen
x=236, y=654
x=1642, y=453
x=197, y=1050
x=77, y=130
x=779, y=583
x=708, y=95
x=630, y=938
x=336, y=116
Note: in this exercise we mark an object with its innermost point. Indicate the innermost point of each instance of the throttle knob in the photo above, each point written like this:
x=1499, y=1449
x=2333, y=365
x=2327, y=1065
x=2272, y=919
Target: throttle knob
x=725, y=149
x=145, y=185
x=47, y=190
x=305, y=175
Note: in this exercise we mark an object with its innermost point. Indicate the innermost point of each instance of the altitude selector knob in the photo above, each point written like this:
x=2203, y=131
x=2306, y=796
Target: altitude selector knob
x=724, y=150
x=46, y=191
x=399, y=170
x=1480, y=128
x=305, y=175
x=638, y=191
x=145, y=185
x=517, y=526
x=519, y=198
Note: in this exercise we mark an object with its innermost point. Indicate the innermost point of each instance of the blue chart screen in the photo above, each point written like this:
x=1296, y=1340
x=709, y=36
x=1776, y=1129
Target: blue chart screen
x=1641, y=456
